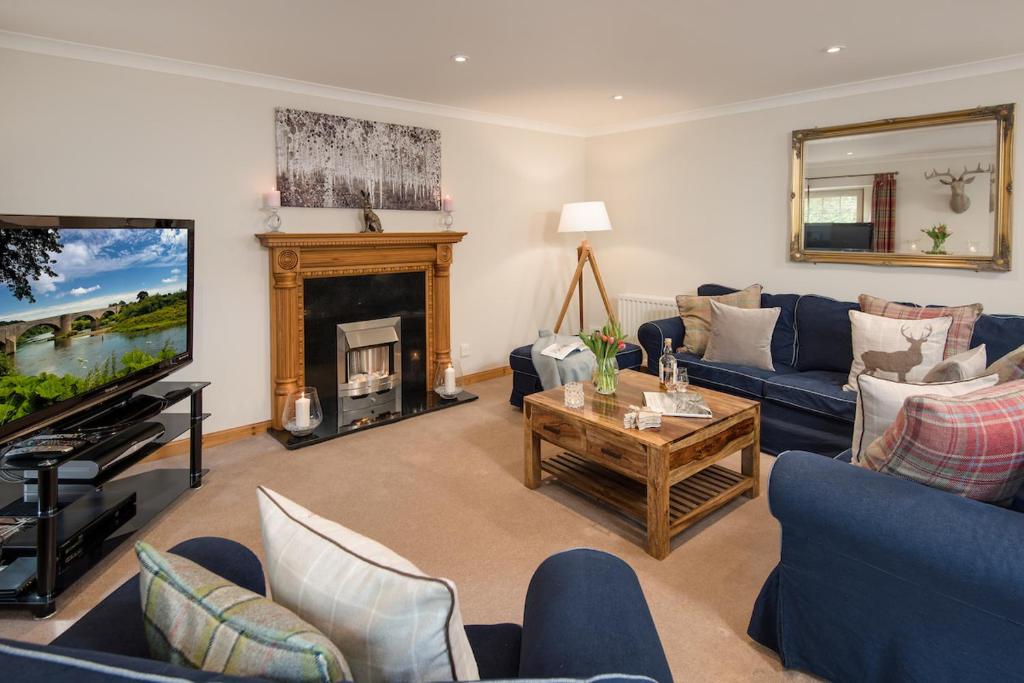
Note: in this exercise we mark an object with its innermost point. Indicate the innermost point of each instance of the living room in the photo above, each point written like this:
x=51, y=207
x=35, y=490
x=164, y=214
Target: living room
x=646, y=171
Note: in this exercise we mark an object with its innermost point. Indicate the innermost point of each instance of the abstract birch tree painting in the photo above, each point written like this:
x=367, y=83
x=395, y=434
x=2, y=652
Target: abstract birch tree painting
x=327, y=161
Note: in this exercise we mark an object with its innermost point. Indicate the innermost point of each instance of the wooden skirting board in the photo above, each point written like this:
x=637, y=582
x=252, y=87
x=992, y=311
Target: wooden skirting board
x=245, y=431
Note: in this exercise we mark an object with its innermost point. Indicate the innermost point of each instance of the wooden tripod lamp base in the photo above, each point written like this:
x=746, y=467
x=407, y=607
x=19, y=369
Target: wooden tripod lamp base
x=584, y=254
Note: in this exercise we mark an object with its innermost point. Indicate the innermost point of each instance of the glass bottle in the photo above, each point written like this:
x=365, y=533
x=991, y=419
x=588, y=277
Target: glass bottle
x=667, y=365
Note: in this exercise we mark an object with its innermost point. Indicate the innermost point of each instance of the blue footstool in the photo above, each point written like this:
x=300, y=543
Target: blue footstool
x=525, y=380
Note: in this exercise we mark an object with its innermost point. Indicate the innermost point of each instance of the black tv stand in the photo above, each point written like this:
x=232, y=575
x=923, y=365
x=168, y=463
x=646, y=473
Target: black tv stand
x=117, y=506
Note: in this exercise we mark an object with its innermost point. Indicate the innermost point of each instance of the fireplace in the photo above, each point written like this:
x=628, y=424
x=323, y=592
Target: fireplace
x=364, y=318
x=369, y=370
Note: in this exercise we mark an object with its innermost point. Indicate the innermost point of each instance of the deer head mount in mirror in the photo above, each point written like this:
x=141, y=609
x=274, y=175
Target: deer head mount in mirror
x=902, y=192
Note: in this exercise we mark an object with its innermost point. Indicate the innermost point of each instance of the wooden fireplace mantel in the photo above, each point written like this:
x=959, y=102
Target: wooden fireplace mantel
x=296, y=256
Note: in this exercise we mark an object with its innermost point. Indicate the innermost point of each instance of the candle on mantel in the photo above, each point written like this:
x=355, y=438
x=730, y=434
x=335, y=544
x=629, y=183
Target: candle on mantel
x=447, y=203
x=272, y=199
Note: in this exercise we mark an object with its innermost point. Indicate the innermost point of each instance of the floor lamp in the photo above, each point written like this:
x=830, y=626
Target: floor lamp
x=584, y=217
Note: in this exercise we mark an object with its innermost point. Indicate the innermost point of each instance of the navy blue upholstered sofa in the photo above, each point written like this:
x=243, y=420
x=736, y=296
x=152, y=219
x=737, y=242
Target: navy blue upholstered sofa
x=884, y=579
x=803, y=405
x=585, y=616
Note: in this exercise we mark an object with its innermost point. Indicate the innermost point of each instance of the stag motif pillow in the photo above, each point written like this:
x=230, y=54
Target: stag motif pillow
x=899, y=350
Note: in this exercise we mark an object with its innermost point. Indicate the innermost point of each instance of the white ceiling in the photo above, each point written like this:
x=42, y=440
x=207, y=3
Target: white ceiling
x=552, y=61
x=977, y=138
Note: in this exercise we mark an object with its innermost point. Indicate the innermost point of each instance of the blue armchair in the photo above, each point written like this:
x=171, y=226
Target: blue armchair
x=883, y=579
x=585, y=616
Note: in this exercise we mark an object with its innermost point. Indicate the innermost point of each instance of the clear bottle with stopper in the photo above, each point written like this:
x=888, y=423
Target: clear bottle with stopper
x=667, y=365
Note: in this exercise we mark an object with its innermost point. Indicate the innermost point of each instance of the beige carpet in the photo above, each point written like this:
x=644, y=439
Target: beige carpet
x=445, y=490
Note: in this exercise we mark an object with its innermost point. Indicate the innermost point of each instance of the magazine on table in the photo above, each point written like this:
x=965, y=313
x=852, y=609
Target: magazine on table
x=682, y=404
x=560, y=350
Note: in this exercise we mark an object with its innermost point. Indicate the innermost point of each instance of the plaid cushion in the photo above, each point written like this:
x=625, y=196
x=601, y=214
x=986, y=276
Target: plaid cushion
x=195, y=618
x=696, y=314
x=394, y=622
x=970, y=445
x=959, y=338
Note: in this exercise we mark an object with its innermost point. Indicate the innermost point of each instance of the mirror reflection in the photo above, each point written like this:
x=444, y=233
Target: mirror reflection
x=917, y=191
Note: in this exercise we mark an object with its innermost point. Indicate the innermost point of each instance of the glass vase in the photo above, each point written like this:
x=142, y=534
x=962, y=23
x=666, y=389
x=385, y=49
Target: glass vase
x=606, y=375
x=938, y=245
x=302, y=412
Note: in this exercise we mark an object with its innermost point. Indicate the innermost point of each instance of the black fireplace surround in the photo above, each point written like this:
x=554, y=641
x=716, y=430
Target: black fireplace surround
x=331, y=301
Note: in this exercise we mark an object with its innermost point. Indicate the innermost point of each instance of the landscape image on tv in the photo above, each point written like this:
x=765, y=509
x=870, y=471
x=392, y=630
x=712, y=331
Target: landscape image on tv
x=80, y=309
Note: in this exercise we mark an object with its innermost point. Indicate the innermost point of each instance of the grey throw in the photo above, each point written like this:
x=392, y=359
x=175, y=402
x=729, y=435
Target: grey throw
x=577, y=366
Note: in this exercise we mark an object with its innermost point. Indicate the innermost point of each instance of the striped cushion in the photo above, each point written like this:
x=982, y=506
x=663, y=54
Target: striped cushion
x=970, y=445
x=393, y=622
x=696, y=314
x=195, y=618
x=960, y=331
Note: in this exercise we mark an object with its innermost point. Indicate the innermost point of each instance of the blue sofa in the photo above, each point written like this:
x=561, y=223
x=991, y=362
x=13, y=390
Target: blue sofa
x=585, y=616
x=803, y=405
x=884, y=579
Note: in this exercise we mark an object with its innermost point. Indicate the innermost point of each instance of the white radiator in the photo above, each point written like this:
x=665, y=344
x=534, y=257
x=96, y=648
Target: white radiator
x=636, y=309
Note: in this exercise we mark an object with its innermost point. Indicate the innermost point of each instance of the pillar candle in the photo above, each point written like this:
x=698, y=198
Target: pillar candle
x=272, y=199
x=302, y=413
x=447, y=204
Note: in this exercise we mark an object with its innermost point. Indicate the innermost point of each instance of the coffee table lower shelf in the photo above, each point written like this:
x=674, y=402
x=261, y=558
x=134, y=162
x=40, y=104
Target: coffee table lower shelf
x=689, y=500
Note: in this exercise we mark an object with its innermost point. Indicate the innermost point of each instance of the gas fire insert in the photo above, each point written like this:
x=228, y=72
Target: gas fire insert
x=369, y=370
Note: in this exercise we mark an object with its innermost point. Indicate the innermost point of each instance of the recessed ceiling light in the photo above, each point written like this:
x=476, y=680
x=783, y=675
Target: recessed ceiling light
x=832, y=49
x=460, y=59
x=849, y=154
x=617, y=98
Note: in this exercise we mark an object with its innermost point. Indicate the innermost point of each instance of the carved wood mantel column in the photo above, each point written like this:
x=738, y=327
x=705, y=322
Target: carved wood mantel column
x=295, y=256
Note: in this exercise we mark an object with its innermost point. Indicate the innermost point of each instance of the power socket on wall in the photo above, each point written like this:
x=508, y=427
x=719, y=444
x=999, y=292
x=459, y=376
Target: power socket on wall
x=463, y=350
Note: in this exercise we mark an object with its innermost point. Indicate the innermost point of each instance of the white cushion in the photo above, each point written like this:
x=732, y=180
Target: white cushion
x=879, y=401
x=903, y=350
x=967, y=365
x=390, y=620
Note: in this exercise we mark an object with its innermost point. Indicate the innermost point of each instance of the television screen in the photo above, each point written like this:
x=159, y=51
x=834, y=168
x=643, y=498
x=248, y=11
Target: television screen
x=90, y=308
x=839, y=236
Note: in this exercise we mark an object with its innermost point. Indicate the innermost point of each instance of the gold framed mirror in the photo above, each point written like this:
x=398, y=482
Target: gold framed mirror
x=930, y=191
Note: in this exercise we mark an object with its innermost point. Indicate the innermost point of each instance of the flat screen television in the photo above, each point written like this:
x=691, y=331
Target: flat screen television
x=91, y=309
x=839, y=236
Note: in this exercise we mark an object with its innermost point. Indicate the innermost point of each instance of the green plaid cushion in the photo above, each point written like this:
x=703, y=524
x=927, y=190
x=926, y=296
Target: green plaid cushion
x=197, y=619
x=696, y=314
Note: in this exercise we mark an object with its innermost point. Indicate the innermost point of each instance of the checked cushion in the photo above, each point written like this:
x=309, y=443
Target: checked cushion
x=970, y=445
x=960, y=331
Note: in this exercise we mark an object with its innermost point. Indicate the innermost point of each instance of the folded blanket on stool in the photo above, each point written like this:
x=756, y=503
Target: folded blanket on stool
x=577, y=366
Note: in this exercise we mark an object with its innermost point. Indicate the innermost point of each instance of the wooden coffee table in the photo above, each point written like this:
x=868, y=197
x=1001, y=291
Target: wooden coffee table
x=666, y=479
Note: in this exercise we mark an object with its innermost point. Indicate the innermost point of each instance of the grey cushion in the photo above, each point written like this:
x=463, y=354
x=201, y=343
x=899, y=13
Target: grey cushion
x=741, y=336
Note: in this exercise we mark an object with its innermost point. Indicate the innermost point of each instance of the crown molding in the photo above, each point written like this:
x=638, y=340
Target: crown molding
x=54, y=47
x=831, y=92
x=25, y=42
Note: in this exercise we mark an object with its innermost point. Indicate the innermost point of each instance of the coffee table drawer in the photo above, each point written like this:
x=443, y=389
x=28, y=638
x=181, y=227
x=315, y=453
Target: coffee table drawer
x=558, y=431
x=607, y=448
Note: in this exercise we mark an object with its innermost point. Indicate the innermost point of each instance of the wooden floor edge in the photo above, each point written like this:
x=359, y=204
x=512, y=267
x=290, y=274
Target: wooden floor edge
x=213, y=439
x=485, y=375
x=235, y=433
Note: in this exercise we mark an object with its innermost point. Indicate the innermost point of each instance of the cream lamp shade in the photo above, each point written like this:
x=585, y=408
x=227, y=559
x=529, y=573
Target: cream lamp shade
x=584, y=217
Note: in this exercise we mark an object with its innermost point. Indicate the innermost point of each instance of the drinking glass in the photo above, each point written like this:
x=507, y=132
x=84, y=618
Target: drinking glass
x=574, y=395
x=681, y=382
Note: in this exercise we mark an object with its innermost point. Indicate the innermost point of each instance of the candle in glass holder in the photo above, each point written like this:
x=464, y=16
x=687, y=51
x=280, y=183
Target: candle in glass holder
x=272, y=199
x=302, y=413
x=447, y=203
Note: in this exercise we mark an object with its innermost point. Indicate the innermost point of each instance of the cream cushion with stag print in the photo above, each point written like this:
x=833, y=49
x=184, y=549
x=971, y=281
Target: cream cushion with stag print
x=899, y=350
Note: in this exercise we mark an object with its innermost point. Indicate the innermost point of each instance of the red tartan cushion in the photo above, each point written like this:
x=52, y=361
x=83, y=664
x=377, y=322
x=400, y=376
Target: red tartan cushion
x=960, y=331
x=971, y=445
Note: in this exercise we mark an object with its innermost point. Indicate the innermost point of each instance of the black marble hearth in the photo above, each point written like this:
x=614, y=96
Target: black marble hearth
x=330, y=301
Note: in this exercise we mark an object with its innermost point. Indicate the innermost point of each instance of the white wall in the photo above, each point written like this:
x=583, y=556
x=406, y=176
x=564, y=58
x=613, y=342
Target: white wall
x=80, y=138
x=707, y=201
